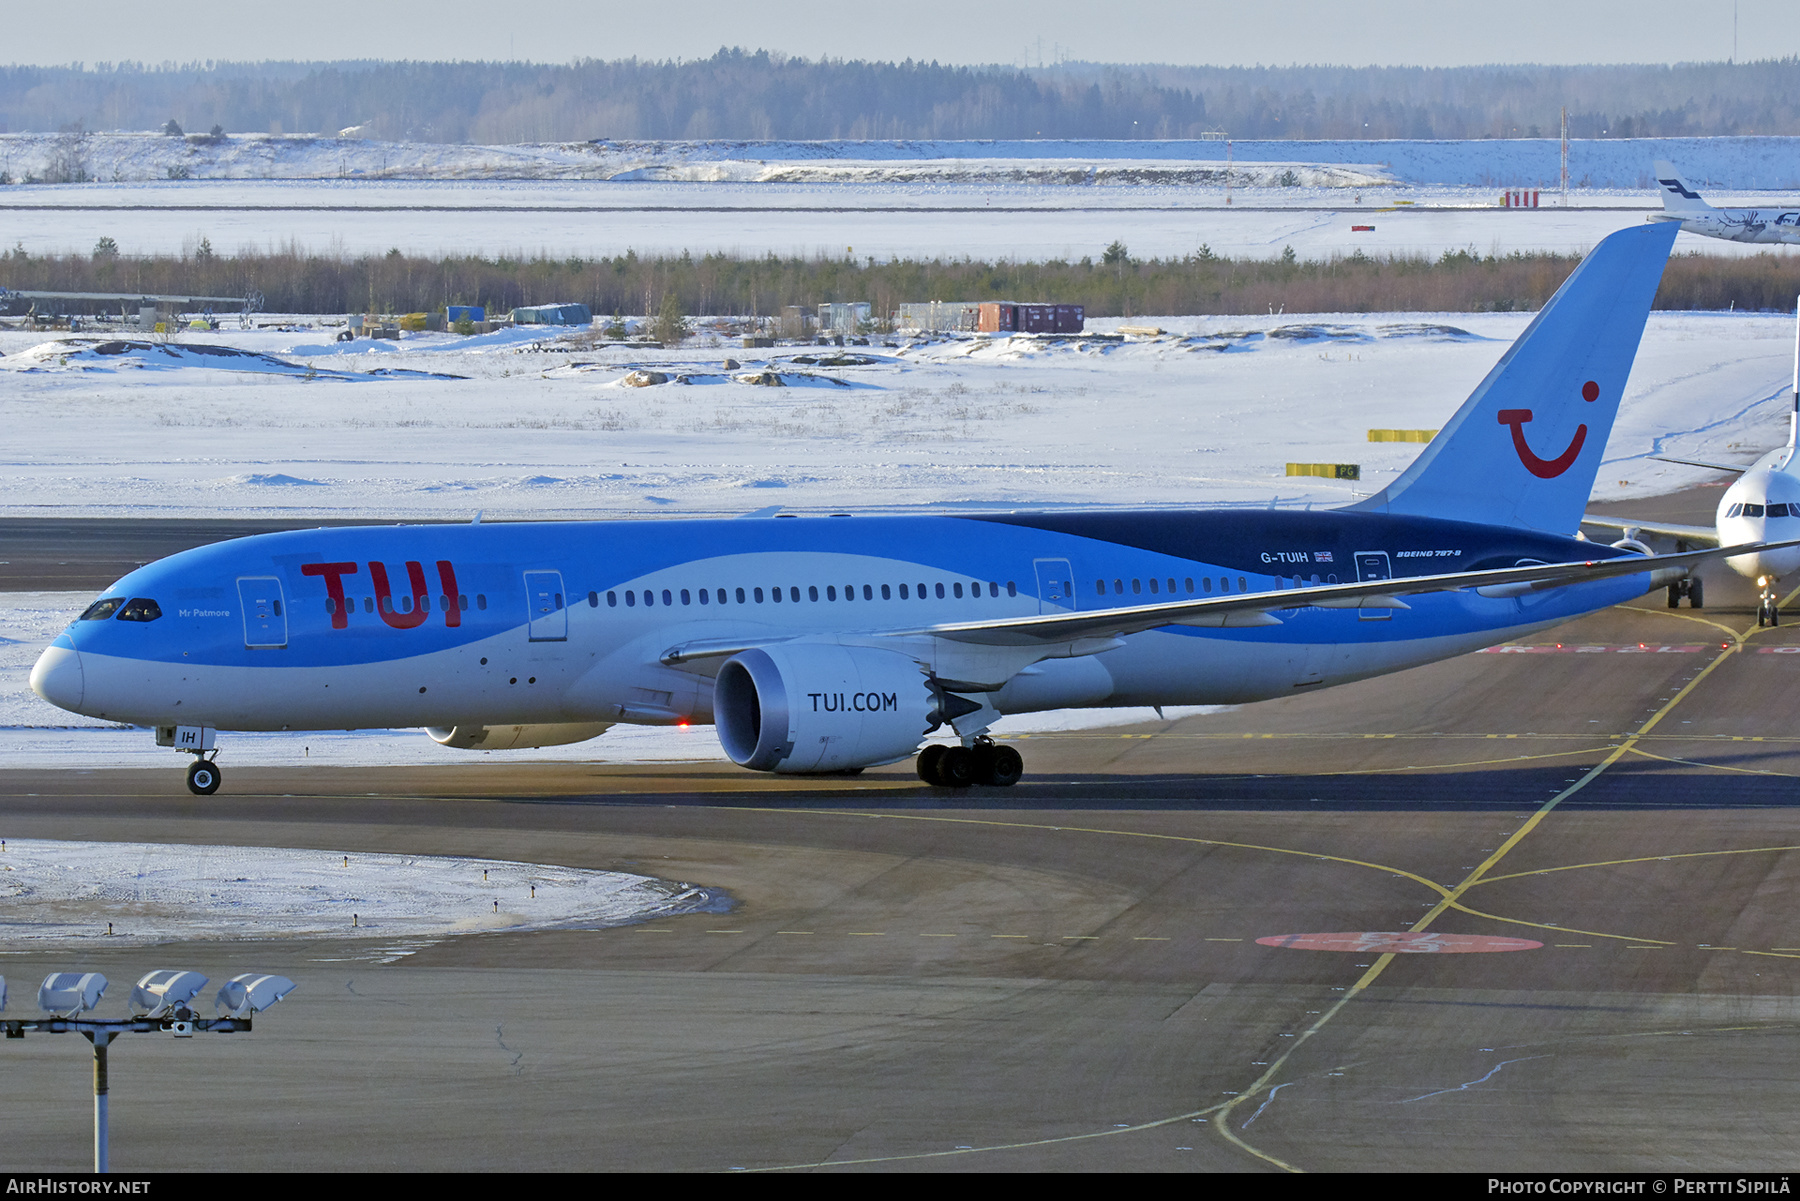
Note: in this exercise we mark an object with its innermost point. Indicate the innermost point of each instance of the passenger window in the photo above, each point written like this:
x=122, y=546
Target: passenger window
x=903, y=593
x=775, y=595
x=812, y=592
x=921, y=592
x=956, y=588
x=885, y=594
x=940, y=591
x=1012, y=589
x=705, y=596
x=831, y=592
x=1099, y=587
x=1118, y=587
x=1153, y=585
x=1207, y=585
x=612, y=600
x=1190, y=584
x=481, y=600
x=685, y=599
x=1136, y=587
x=869, y=592
x=140, y=608
x=630, y=599
x=756, y=594
x=462, y=603
x=100, y=610
x=740, y=596
x=368, y=604
x=668, y=598
x=794, y=595
x=649, y=598
x=1243, y=584
x=593, y=600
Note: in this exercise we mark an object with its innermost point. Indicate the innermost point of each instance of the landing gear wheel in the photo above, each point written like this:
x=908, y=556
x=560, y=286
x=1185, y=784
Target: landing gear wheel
x=929, y=758
x=1675, y=595
x=1696, y=593
x=203, y=777
x=1001, y=766
x=957, y=767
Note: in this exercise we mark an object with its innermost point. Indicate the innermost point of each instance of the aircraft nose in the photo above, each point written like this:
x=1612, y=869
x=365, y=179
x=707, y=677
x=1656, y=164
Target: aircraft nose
x=57, y=676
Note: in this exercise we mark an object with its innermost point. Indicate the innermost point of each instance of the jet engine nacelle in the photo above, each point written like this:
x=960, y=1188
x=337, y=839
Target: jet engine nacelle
x=817, y=707
x=516, y=738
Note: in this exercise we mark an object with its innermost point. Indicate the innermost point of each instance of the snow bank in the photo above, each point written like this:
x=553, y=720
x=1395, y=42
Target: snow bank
x=87, y=894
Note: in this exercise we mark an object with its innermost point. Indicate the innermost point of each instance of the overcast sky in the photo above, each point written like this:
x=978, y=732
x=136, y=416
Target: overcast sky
x=1238, y=32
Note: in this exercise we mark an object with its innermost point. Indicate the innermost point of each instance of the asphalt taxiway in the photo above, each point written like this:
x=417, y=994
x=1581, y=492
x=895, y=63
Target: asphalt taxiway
x=1063, y=975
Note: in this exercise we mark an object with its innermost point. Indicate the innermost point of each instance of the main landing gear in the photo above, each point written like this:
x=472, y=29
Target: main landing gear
x=986, y=762
x=1690, y=588
x=204, y=777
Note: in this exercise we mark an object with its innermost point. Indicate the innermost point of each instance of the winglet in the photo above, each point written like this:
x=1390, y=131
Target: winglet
x=1524, y=448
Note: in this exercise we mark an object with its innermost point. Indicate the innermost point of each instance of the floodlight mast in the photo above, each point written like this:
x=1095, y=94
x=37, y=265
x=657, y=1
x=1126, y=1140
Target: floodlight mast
x=163, y=995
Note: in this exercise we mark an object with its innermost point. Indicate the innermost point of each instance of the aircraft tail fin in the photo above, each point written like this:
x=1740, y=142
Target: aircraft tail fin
x=1524, y=448
x=1677, y=197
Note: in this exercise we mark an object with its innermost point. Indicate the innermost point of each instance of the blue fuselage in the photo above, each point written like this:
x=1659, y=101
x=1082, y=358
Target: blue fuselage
x=493, y=624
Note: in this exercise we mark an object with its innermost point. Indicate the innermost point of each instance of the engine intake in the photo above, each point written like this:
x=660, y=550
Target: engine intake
x=817, y=707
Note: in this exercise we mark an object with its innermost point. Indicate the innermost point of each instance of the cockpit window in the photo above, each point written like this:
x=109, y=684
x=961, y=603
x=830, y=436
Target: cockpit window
x=1778, y=510
x=102, y=609
x=1735, y=511
x=1753, y=510
x=140, y=608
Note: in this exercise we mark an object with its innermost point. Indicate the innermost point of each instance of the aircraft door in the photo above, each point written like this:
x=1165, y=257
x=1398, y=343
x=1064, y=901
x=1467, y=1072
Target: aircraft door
x=547, y=617
x=265, y=617
x=1056, y=585
x=1373, y=565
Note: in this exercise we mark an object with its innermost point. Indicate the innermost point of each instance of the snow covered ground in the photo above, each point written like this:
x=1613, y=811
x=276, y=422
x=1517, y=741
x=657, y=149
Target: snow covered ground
x=1754, y=163
x=1026, y=223
x=1029, y=201
x=1208, y=413
x=87, y=894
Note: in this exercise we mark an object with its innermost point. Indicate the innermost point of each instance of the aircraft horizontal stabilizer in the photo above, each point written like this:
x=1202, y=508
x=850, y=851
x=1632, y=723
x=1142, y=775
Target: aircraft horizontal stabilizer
x=1704, y=535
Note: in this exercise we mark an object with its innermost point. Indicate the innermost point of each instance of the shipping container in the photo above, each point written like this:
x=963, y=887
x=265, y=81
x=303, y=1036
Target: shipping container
x=847, y=319
x=1011, y=317
x=934, y=316
x=553, y=314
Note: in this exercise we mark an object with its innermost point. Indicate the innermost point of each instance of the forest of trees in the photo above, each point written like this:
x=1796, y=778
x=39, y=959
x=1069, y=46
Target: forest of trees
x=761, y=95
x=716, y=284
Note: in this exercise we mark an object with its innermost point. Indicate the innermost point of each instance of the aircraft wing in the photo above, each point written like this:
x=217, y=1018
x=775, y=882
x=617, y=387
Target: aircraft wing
x=1383, y=594
x=1253, y=608
x=1705, y=535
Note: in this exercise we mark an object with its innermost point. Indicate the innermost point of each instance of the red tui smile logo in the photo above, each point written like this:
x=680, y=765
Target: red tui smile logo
x=1547, y=469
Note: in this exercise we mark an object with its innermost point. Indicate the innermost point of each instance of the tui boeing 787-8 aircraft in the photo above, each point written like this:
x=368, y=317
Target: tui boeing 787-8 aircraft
x=833, y=643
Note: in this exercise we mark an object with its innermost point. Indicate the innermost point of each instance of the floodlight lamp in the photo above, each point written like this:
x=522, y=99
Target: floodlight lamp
x=249, y=993
x=69, y=994
x=161, y=991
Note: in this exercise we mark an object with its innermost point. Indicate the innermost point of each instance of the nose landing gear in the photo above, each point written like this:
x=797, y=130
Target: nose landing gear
x=985, y=762
x=203, y=778
x=1767, y=611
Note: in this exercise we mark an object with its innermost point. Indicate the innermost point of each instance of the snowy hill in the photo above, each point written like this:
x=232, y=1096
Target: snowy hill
x=1730, y=163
